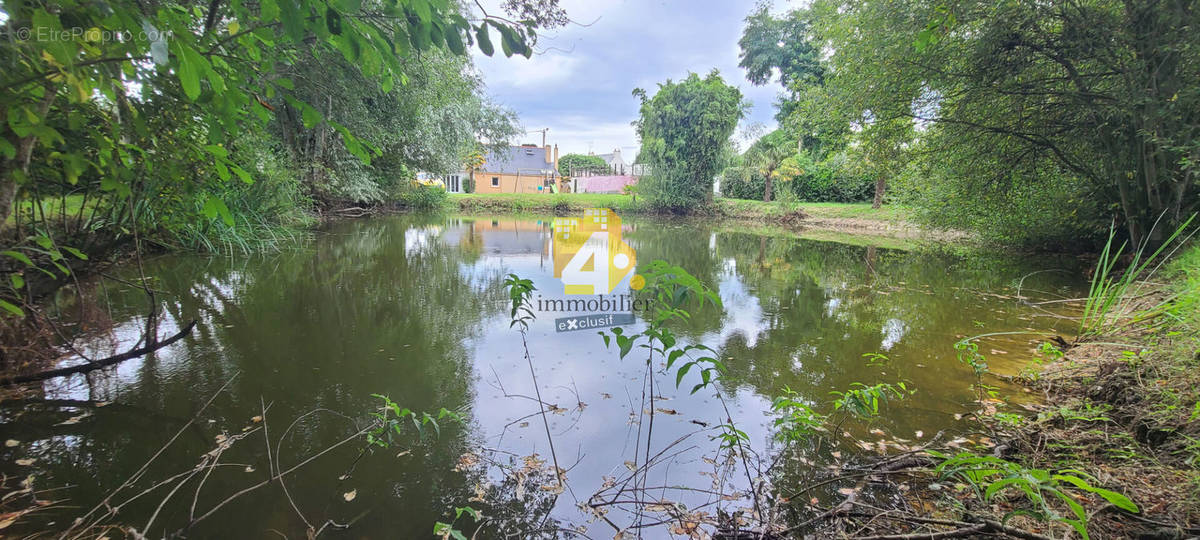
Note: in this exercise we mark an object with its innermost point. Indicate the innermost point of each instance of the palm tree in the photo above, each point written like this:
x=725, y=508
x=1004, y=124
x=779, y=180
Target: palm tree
x=774, y=157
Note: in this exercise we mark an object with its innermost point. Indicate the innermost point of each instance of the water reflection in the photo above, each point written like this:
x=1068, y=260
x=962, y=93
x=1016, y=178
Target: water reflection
x=413, y=308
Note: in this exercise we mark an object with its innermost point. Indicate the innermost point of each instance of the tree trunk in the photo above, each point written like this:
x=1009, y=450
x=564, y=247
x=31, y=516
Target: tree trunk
x=8, y=184
x=767, y=189
x=880, y=187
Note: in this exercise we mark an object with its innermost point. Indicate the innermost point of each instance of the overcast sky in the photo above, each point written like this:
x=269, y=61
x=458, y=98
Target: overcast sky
x=579, y=82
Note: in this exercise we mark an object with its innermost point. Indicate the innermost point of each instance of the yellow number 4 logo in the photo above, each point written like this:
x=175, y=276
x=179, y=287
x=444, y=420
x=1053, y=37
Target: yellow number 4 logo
x=589, y=256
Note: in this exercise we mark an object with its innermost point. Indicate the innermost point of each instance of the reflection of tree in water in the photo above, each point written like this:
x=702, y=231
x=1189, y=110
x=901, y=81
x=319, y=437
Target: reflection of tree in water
x=515, y=493
x=686, y=244
x=826, y=304
x=366, y=307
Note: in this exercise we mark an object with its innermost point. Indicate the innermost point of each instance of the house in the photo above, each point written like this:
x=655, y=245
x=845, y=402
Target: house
x=514, y=169
x=615, y=162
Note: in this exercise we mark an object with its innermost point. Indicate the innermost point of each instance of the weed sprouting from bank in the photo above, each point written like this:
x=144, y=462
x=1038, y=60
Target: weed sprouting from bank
x=1113, y=291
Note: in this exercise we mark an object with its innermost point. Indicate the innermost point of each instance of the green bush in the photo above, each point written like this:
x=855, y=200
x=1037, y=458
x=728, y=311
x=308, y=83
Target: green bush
x=423, y=198
x=821, y=181
x=1043, y=208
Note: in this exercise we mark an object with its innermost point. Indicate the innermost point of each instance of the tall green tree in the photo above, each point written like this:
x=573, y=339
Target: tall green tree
x=571, y=163
x=782, y=49
x=431, y=124
x=1098, y=102
x=154, y=111
x=684, y=131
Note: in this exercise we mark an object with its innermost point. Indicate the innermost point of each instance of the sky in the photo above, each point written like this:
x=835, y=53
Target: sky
x=579, y=81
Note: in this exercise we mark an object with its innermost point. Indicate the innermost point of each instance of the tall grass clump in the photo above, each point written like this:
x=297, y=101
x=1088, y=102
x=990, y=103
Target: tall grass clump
x=1111, y=292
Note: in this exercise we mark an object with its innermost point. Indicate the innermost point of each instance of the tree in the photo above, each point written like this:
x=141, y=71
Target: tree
x=429, y=125
x=774, y=157
x=1097, y=102
x=571, y=163
x=218, y=62
x=684, y=130
x=780, y=47
x=157, y=114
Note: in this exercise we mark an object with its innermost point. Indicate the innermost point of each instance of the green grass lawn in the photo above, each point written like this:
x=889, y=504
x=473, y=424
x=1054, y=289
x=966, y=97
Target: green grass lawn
x=737, y=208
x=50, y=207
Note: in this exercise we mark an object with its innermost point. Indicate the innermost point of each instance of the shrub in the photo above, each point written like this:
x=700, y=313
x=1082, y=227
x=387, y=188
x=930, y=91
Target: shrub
x=420, y=197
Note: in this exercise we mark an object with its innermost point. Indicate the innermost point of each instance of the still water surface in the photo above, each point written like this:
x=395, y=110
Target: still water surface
x=413, y=308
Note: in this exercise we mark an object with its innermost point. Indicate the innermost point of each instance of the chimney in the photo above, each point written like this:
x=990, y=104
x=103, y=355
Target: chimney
x=549, y=156
x=556, y=157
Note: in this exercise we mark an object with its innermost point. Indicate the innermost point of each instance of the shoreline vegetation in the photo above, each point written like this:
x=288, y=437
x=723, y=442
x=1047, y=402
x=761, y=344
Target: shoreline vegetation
x=233, y=127
x=1121, y=406
x=858, y=218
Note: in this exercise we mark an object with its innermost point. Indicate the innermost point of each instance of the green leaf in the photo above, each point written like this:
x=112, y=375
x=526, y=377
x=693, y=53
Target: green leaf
x=453, y=40
x=17, y=280
x=78, y=254
x=422, y=9
x=269, y=10
x=11, y=308
x=245, y=176
x=311, y=116
x=485, y=41
x=1117, y=499
x=333, y=21
x=682, y=371
x=7, y=149
x=672, y=357
x=18, y=256
x=214, y=206
x=217, y=151
x=189, y=71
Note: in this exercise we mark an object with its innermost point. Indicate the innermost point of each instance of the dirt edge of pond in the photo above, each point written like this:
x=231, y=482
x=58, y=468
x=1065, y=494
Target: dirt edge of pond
x=1121, y=410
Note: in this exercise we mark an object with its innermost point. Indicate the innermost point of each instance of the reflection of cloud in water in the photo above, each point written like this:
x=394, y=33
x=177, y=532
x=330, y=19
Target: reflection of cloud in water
x=893, y=330
x=832, y=305
x=416, y=240
x=743, y=312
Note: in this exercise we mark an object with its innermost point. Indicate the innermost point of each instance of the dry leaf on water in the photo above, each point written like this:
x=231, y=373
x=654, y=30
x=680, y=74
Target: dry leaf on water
x=350, y=495
x=11, y=443
x=72, y=420
x=25, y=462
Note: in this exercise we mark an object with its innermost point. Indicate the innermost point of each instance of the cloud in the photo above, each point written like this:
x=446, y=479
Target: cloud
x=579, y=84
x=519, y=72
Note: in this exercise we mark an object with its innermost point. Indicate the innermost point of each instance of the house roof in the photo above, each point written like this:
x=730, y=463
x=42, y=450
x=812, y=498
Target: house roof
x=529, y=160
x=612, y=158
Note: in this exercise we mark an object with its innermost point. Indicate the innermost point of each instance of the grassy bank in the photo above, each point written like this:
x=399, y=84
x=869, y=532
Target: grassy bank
x=1113, y=450
x=1125, y=407
x=845, y=217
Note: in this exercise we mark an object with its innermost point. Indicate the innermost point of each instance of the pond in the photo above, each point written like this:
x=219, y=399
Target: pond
x=293, y=346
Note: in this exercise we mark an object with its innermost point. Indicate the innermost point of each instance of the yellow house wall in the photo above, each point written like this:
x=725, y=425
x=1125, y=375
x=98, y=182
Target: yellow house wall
x=509, y=183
